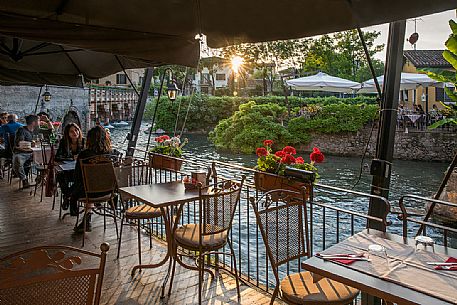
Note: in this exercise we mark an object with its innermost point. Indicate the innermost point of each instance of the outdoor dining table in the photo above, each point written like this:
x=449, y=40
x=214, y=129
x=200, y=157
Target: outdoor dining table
x=413, y=117
x=66, y=166
x=37, y=154
x=401, y=276
x=164, y=196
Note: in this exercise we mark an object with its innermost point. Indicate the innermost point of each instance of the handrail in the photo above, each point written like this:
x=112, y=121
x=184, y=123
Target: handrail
x=406, y=218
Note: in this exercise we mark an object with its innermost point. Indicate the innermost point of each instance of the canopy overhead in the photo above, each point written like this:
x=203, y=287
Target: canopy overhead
x=133, y=27
x=408, y=81
x=322, y=82
x=163, y=32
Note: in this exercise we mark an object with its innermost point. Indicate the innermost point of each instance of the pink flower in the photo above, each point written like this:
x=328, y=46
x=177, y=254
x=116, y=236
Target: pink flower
x=280, y=154
x=299, y=160
x=261, y=152
x=317, y=156
x=268, y=142
x=288, y=159
x=289, y=150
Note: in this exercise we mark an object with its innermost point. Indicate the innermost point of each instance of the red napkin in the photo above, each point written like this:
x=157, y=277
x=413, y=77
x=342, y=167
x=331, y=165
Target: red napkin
x=449, y=260
x=343, y=260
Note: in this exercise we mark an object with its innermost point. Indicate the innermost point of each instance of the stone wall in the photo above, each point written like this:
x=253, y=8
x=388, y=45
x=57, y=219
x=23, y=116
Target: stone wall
x=21, y=100
x=425, y=146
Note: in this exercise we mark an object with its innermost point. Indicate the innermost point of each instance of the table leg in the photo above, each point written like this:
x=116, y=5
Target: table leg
x=168, y=257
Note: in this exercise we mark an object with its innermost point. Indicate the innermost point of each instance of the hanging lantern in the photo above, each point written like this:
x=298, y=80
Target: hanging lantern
x=172, y=91
x=46, y=95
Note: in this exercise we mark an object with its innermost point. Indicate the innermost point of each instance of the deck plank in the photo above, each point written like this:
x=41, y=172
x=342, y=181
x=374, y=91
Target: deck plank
x=25, y=223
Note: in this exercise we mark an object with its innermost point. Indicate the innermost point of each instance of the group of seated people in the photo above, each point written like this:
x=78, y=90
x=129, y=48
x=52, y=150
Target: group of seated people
x=72, y=146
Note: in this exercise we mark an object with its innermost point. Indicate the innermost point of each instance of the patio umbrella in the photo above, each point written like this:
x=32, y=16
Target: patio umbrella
x=139, y=28
x=322, y=82
x=408, y=81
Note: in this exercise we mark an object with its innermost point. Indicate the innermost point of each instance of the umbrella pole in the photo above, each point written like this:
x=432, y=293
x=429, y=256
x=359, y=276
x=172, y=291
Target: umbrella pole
x=382, y=164
x=132, y=137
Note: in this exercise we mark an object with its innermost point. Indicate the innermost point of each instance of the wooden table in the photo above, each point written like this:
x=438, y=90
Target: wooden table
x=396, y=291
x=163, y=196
x=65, y=166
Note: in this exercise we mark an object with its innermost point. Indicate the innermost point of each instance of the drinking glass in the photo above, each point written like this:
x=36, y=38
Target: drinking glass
x=422, y=242
x=379, y=251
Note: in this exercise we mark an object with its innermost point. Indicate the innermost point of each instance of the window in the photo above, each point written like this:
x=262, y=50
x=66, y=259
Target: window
x=121, y=79
x=220, y=76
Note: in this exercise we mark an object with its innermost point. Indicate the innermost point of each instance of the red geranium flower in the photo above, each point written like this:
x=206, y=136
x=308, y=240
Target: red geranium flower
x=261, y=152
x=288, y=159
x=299, y=160
x=317, y=150
x=165, y=137
x=280, y=154
x=268, y=142
x=317, y=157
x=159, y=140
x=289, y=150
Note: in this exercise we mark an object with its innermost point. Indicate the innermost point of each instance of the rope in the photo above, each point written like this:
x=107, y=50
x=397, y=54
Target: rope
x=187, y=113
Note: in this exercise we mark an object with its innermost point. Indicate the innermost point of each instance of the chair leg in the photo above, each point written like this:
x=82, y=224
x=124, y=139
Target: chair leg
x=200, y=277
x=150, y=235
x=274, y=295
x=234, y=268
x=172, y=277
x=42, y=189
x=139, y=242
x=84, y=225
x=120, y=238
x=104, y=217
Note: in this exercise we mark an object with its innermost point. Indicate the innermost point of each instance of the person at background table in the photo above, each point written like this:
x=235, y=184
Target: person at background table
x=3, y=121
x=69, y=148
x=22, y=159
x=420, y=110
x=46, y=127
x=98, y=142
x=9, y=131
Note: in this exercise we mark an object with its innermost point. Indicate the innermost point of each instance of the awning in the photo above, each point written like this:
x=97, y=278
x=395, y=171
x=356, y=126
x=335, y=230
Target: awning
x=322, y=82
x=163, y=32
x=408, y=81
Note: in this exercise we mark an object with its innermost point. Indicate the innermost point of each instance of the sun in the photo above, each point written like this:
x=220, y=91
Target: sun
x=236, y=62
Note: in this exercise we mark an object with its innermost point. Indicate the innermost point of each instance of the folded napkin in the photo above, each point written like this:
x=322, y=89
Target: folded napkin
x=448, y=268
x=345, y=258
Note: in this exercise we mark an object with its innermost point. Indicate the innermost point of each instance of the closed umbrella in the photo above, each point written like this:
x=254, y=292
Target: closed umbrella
x=322, y=82
x=408, y=81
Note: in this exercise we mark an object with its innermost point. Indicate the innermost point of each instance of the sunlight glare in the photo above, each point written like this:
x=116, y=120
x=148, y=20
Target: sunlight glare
x=236, y=63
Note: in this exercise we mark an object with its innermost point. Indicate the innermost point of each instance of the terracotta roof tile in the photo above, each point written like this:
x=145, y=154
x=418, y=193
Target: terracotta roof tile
x=427, y=58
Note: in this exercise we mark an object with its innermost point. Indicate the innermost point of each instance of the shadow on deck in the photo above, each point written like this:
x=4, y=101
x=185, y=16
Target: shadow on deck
x=25, y=223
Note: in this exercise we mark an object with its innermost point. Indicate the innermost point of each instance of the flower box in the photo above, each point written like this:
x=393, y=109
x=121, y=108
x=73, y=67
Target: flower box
x=159, y=161
x=268, y=182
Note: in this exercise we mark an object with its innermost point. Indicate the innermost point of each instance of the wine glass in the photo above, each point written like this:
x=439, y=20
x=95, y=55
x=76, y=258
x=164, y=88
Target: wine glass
x=423, y=242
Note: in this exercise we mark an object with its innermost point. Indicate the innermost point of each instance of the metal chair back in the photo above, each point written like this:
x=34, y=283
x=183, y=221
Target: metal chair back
x=52, y=275
x=98, y=175
x=283, y=222
x=217, y=206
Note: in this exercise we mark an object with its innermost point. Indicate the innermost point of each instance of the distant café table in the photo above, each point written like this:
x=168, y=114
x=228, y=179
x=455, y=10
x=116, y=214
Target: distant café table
x=413, y=117
x=401, y=278
x=66, y=166
x=37, y=154
x=164, y=196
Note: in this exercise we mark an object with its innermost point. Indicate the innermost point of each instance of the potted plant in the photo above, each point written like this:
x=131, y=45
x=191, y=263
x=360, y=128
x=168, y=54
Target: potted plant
x=166, y=153
x=271, y=166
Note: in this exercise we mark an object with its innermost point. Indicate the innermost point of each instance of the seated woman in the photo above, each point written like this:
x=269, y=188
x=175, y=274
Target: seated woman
x=98, y=142
x=69, y=148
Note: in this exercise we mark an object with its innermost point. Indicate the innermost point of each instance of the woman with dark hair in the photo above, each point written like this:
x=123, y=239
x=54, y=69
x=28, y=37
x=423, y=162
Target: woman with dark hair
x=69, y=148
x=98, y=142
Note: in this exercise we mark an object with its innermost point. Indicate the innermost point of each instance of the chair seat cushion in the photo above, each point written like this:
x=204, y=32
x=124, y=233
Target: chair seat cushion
x=142, y=211
x=187, y=236
x=298, y=288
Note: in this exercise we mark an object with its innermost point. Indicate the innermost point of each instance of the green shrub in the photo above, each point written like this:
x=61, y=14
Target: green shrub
x=334, y=118
x=246, y=129
x=206, y=111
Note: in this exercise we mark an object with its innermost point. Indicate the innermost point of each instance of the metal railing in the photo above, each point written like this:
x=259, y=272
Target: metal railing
x=434, y=227
x=332, y=217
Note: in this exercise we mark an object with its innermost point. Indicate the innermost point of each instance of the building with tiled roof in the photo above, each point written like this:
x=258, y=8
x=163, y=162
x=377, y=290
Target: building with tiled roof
x=417, y=61
x=421, y=59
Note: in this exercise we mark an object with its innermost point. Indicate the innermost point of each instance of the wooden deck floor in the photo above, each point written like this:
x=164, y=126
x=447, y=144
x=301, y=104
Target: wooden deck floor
x=25, y=222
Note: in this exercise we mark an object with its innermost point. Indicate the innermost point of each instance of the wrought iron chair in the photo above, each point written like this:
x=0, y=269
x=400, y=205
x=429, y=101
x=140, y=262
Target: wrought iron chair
x=283, y=222
x=131, y=173
x=52, y=275
x=216, y=209
x=100, y=185
x=42, y=169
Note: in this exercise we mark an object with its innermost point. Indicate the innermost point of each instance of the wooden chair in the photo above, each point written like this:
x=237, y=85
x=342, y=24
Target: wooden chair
x=52, y=275
x=131, y=173
x=283, y=222
x=42, y=169
x=100, y=186
x=216, y=209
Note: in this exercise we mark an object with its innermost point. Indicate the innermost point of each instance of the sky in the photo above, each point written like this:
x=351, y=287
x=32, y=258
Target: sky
x=433, y=32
